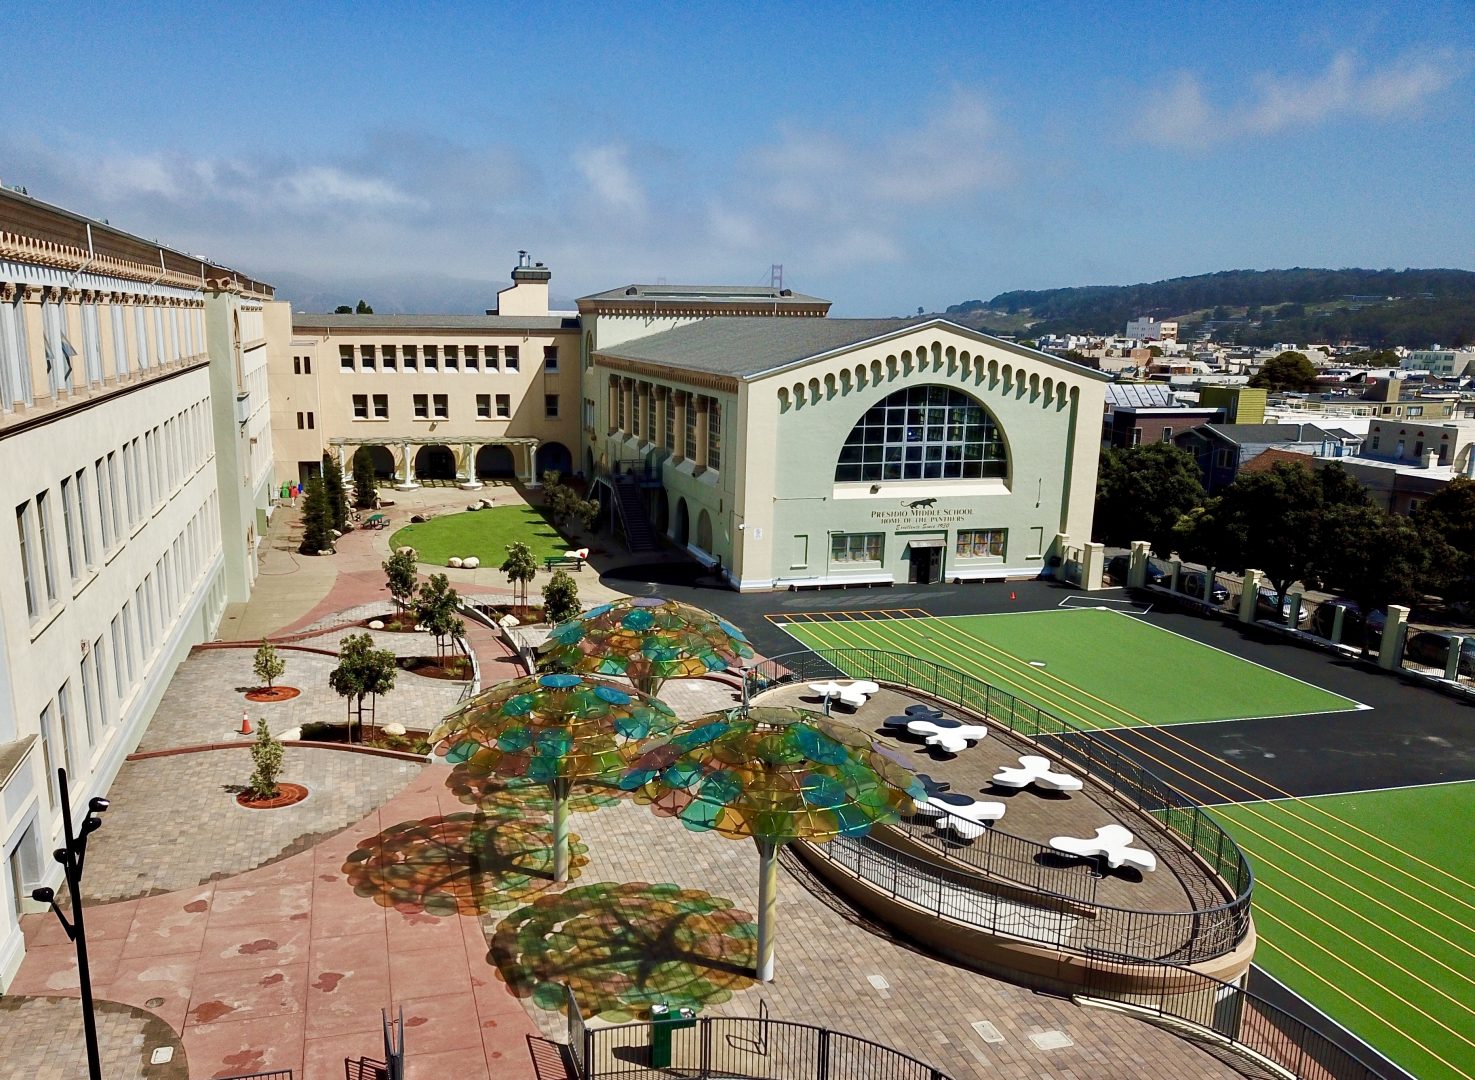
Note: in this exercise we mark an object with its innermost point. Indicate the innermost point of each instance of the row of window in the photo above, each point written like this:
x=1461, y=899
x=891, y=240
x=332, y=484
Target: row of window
x=431, y=358
x=438, y=407
x=140, y=627
x=635, y=412
x=871, y=547
x=118, y=492
x=74, y=351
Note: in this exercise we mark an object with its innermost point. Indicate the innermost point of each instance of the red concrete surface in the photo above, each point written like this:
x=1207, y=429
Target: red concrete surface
x=284, y=967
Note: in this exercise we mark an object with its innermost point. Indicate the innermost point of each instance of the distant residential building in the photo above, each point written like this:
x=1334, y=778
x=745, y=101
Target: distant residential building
x=1139, y=413
x=1150, y=329
x=1221, y=450
x=1440, y=363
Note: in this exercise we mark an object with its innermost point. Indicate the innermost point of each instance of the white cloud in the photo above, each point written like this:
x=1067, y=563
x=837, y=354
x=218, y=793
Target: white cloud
x=326, y=187
x=1182, y=116
x=607, y=172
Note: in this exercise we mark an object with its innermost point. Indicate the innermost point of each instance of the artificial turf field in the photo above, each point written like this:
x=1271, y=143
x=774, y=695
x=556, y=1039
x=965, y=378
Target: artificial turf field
x=1102, y=669
x=1365, y=905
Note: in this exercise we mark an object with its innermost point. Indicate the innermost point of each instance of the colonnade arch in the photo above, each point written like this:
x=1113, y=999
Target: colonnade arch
x=464, y=461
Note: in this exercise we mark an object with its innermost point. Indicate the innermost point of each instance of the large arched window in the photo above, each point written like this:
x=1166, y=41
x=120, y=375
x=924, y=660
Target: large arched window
x=923, y=433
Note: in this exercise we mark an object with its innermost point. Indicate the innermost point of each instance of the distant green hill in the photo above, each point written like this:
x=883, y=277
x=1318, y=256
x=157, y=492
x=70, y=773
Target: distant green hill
x=1413, y=308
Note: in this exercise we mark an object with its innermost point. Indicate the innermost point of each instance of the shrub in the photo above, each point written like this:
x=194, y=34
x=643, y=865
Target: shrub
x=365, y=487
x=317, y=521
x=561, y=598
x=267, y=755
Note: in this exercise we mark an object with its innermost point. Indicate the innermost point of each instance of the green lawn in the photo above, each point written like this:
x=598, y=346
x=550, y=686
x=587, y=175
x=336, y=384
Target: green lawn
x=1102, y=669
x=483, y=533
x=1376, y=930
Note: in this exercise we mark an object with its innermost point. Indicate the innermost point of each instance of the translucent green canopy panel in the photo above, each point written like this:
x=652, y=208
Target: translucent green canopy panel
x=646, y=639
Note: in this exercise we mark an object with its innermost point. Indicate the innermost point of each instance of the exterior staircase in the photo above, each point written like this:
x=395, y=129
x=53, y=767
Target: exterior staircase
x=634, y=519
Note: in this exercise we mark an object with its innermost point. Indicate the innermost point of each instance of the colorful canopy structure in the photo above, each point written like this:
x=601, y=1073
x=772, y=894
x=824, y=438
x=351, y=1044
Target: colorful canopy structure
x=558, y=729
x=648, y=640
x=775, y=775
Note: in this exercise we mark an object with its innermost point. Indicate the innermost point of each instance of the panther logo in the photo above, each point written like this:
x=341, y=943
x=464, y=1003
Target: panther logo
x=920, y=504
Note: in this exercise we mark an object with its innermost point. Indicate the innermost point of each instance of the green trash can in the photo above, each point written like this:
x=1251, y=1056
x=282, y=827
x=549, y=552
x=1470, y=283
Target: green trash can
x=662, y=1023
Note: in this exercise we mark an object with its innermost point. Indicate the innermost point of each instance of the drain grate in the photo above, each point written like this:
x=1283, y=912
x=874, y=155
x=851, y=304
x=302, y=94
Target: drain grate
x=1051, y=1040
x=987, y=1032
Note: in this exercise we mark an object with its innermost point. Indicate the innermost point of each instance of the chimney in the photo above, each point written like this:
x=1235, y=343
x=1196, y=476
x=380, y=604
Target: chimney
x=528, y=294
x=1429, y=458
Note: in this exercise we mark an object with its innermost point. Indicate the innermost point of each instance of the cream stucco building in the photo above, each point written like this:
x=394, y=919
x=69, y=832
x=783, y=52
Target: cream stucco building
x=137, y=449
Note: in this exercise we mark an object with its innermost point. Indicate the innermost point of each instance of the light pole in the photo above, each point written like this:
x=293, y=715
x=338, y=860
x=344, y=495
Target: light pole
x=72, y=858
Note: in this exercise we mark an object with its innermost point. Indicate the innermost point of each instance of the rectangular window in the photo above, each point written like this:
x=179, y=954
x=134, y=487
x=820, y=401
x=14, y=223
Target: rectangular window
x=301, y=421
x=800, y=552
x=1167, y=434
x=856, y=547
x=422, y=406
x=432, y=358
x=43, y=520
x=690, y=442
x=68, y=748
x=27, y=560
x=980, y=543
x=309, y=422
x=671, y=420
x=296, y=365
x=411, y=359
x=1416, y=410
x=345, y=357
x=453, y=358
x=48, y=751
x=714, y=433
x=473, y=362
x=360, y=406
x=489, y=353
x=550, y=357
x=1221, y=458
x=84, y=524
x=504, y=406
x=381, y=406
x=366, y=357
x=483, y=406
x=387, y=357
x=1136, y=436
x=550, y=406
x=120, y=676
x=91, y=698
x=650, y=416
x=637, y=415
x=69, y=525
x=510, y=357
x=441, y=406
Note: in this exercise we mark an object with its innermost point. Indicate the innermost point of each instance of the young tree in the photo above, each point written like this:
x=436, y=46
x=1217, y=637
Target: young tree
x=1142, y=491
x=337, y=496
x=267, y=665
x=520, y=569
x=561, y=598
x=267, y=755
x=435, y=609
x=1287, y=371
x=365, y=486
x=317, y=519
x=363, y=308
x=362, y=671
x=401, y=578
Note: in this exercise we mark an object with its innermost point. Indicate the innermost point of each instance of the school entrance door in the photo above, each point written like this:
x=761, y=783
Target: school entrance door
x=926, y=561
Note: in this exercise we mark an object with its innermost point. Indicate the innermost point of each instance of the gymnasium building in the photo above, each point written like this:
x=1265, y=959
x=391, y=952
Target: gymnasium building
x=777, y=445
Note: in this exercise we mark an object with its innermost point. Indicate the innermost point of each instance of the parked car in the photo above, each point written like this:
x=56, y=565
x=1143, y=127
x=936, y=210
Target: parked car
x=1432, y=650
x=1352, y=621
x=1265, y=608
x=1118, y=565
x=1193, y=585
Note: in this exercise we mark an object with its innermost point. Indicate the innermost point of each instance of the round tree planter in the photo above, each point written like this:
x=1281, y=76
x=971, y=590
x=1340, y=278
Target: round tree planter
x=275, y=693
x=287, y=794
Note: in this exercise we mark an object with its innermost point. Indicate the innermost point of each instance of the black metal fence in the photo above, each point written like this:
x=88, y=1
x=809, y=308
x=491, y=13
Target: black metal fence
x=1241, y=1017
x=751, y=1048
x=1098, y=758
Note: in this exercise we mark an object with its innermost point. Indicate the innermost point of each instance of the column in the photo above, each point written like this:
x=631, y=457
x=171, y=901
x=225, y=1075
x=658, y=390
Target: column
x=532, y=464
x=466, y=474
x=1137, y=564
x=659, y=435
x=407, y=479
x=343, y=463
x=703, y=404
x=1250, y=596
x=683, y=402
x=35, y=341
x=613, y=410
x=1395, y=628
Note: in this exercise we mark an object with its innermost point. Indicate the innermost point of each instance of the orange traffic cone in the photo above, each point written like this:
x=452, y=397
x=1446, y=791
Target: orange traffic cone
x=245, y=723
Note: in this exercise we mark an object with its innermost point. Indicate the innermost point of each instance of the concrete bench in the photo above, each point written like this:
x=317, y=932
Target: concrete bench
x=968, y=820
x=1036, y=770
x=1111, y=844
x=951, y=739
x=855, y=693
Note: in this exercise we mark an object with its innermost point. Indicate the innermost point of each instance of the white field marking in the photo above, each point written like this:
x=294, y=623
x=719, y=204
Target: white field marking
x=1337, y=794
x=1357, y=705
x=1101, y=603
x=1353, y=706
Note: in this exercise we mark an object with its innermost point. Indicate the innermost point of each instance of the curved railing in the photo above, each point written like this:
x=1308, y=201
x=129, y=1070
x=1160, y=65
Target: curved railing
x=753, y=1048
x=1215, y=927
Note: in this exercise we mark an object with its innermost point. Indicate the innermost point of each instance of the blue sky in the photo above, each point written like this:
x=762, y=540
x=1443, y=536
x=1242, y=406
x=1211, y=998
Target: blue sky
x=889, y=156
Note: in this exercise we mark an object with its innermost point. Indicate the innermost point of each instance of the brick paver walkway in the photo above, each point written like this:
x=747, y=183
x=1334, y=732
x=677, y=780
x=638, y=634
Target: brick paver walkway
x=173, y=824
x=204, y=701
x=41, y=1039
